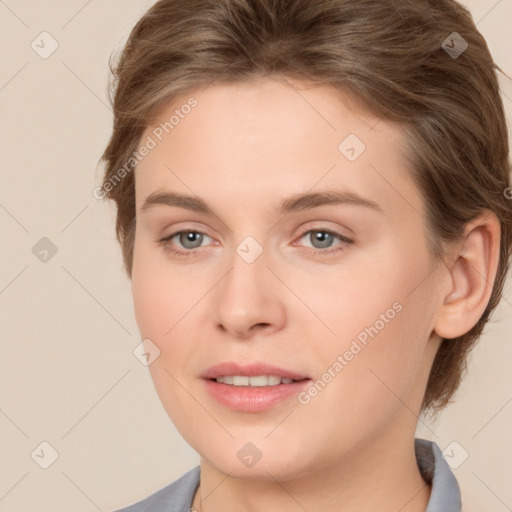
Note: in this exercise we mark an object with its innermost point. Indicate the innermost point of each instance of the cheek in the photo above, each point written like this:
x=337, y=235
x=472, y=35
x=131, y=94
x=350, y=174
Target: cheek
x=151, y=295
x=363, y=294
x=166, y=310
x=159, y=306
x=147, y=301
x=381, y=316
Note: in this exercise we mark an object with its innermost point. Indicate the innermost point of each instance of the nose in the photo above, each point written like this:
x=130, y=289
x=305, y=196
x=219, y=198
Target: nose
x=248, y=300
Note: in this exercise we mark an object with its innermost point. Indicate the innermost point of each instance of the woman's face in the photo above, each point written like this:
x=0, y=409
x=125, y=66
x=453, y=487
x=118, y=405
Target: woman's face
x=299, y=252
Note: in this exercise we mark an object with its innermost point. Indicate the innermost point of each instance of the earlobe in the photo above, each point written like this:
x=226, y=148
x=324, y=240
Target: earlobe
x=472, y=275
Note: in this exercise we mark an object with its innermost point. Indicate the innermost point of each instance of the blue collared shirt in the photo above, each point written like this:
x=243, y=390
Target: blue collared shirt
x=444, y=497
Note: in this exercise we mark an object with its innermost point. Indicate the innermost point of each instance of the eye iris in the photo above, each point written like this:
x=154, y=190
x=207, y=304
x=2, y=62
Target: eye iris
x=323, y=237
x=191, y=237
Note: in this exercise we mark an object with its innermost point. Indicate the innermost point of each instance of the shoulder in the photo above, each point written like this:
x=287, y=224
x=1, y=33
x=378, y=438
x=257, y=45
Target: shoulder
x=175, y=497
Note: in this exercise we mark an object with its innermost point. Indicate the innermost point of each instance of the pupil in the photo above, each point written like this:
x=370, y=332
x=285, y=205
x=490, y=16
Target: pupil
x=191, y=238
x=324, y=238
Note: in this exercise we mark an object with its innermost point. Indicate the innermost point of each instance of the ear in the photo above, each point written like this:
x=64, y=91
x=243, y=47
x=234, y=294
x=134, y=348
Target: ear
x=470, y=275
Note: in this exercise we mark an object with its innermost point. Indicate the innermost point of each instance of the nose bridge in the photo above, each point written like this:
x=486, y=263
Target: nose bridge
x=246, y=296
x=246, y=277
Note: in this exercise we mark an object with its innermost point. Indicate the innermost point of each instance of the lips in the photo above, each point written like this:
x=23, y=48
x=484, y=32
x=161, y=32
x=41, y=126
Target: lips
x=240, y=387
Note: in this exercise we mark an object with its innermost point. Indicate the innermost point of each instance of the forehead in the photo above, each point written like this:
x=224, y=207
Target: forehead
x=271, y=138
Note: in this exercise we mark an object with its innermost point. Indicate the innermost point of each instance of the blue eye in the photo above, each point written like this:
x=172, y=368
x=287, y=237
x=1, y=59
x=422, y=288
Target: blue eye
x=189, y=242
x=324, y=239
x=189, y=239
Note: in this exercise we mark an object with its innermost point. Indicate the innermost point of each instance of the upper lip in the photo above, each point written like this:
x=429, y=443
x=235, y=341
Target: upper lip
x=250, y=370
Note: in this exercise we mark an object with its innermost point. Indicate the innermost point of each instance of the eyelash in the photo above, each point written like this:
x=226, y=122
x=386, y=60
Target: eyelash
x=166, y=242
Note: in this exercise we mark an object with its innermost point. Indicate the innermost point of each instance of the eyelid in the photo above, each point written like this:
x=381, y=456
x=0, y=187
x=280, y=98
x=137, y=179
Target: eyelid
x=168, y=238
x=327, y=225
x=187, y=227
x=325, y=229
x=335, y=231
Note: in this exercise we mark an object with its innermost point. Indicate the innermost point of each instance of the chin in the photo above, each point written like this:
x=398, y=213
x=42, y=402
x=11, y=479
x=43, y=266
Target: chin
x=243, y=460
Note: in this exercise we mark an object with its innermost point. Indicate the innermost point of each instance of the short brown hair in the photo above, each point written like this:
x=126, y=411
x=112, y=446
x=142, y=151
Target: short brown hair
x=392, y=55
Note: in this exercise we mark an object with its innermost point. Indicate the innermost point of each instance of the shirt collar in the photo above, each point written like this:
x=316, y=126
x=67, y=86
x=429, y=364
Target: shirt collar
x=445, y=494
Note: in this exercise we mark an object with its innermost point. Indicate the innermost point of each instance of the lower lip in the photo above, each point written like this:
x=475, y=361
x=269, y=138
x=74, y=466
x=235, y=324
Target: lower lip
x=253, y=399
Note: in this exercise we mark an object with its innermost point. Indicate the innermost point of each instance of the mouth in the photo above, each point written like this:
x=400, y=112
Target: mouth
x=252, y=388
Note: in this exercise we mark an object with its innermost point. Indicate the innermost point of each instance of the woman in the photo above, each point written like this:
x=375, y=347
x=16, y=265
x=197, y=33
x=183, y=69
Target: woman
x=312, y=206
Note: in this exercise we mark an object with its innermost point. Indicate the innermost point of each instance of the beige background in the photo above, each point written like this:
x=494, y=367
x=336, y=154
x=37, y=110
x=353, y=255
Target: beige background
x=68, y=375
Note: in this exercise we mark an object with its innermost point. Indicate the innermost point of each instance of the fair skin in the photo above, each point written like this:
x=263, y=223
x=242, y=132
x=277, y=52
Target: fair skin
x=243, y=150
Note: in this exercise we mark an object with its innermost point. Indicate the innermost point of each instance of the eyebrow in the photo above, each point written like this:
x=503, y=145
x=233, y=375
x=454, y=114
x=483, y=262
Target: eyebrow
x=295, y=203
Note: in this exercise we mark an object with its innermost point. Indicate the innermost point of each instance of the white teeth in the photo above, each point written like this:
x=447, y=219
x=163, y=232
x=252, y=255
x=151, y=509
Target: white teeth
x=260, y=380
x=256, y=381
x=274, y=380
x=240, y=380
